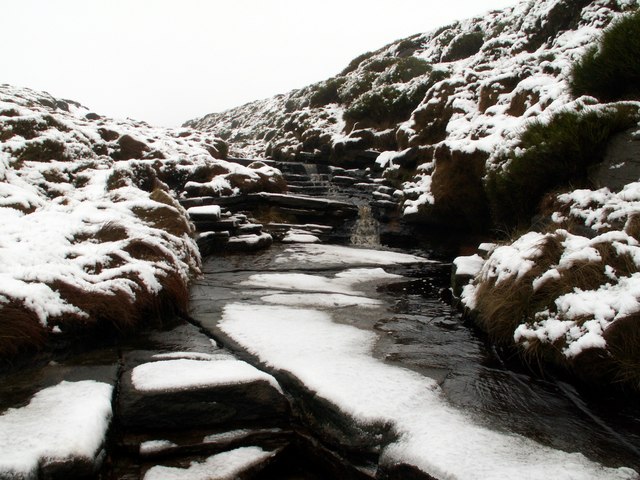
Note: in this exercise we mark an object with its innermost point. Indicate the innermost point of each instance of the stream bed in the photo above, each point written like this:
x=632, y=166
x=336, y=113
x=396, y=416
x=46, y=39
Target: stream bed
x=383, y=372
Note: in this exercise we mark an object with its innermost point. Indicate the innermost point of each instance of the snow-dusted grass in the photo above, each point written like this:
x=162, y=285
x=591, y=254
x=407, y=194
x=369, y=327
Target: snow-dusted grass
x=335, y=361
x=480, y=83
x=552, y=154
x=223, y=466
x=610, y=70
x=63, y=423
x=185, y=374
x=563, y=297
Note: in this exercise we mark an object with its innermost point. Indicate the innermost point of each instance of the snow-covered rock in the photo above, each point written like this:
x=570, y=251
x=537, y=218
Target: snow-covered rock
x=93, y=234
x=61, y=432
x=453, y=101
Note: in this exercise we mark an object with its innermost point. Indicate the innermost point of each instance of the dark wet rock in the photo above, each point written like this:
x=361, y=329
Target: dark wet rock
x=129, y=147
x=212, y=242
x=333, y=207
x=249, y=243
x=402, y=471
x=108, y=135
x=223, y=225
x=17, y=388
x=92, y=116
x=250, y=470
x=324, y=419
x=621, y=164
x=203, y=441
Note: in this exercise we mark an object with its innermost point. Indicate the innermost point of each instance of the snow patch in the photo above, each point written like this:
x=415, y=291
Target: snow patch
x=61, y=423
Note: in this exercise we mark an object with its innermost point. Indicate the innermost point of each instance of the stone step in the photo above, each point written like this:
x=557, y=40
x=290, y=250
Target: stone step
x=250, y=229
x=249, y=242
x=205, y=212
x=184, y=391
x=228, y=225
x=309, y=190
x=382, y=196
x=308, y=183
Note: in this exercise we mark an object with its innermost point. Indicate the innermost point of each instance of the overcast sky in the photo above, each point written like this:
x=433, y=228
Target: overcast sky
x=167, y=61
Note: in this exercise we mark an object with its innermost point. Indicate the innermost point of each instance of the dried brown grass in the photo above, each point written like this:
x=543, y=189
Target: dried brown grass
x=20, y=331
x=623, y=342
x=502, y=307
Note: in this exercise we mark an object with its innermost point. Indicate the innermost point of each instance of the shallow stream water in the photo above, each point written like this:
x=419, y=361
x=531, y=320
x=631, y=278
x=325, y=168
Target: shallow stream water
x=418, y=331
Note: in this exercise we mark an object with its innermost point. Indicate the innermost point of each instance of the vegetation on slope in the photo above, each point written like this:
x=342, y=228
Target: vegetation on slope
x=553, y=155
x=610, y=70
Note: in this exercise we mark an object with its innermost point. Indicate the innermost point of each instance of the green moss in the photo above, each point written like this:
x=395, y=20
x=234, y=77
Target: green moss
x=379, y=65
x=611, y=69
x=377, y=106
x=464, y=46
x=326, y=92
x=356, y=86
x=355, y=63
x=552, y=156
x=405, y=69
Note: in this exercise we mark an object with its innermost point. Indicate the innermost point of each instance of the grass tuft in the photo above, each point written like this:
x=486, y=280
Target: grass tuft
x=610, y=70
x=550, y=156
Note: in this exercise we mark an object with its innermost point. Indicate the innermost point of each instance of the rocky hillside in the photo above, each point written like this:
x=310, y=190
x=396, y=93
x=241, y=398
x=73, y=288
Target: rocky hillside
x=93, y=235
x=492, y=124
x=438, y=111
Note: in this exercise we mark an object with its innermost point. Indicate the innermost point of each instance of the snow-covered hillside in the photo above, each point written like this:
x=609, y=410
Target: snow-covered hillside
x=483, y=124
x=450, y=103
x=93, y=234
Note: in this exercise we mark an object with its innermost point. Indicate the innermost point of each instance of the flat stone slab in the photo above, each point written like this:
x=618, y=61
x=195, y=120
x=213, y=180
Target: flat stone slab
x=201, y=390
x=301, y=201
x=61, y=431
x=204, y=212
x=243, y=462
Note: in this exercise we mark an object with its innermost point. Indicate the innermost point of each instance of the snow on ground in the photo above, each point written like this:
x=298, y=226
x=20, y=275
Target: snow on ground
x=336, y=362
x=342, y=283
x=337, y=255
x=185, y=374
x=61, y=423
x=468, y=265
x=224, y=466
x=321, y=300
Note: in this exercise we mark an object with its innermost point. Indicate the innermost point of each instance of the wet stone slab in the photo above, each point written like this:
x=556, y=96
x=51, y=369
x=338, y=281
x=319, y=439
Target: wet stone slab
x=392, y=378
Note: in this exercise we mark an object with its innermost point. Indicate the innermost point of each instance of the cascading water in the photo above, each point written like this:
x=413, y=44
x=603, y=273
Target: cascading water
x=366, y=231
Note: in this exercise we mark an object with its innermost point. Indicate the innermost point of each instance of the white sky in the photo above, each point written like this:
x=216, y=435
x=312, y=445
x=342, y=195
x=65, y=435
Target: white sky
x=167, y=61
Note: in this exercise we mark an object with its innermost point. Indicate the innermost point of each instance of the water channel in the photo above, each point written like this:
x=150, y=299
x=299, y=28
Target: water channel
x=418, y=330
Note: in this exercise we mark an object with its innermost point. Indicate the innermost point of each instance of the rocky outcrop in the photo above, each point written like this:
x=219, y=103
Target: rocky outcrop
x=468, y=88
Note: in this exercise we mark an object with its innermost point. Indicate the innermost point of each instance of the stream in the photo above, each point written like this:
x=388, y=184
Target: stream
x=416, y=331
x=343, y=358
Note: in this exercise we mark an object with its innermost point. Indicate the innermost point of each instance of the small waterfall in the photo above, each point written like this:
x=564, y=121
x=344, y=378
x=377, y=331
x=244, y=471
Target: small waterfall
x=366, y=231
x=311, y=170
